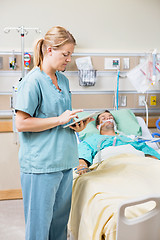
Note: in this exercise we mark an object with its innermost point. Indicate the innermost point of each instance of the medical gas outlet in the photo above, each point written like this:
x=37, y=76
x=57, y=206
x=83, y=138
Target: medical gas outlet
x=112, y=63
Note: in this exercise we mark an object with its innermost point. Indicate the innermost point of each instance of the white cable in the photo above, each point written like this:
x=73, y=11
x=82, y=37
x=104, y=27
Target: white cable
x=146, y=106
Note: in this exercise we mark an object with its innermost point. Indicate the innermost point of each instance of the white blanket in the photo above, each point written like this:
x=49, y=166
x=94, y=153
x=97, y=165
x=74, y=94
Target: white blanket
x=114, y=151
x=97, y=194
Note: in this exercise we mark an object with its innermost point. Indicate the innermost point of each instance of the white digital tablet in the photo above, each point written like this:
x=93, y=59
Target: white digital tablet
x=83, y=118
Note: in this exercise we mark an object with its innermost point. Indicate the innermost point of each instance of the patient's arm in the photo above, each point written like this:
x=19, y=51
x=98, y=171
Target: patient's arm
x=82, y=167
x=147, y=155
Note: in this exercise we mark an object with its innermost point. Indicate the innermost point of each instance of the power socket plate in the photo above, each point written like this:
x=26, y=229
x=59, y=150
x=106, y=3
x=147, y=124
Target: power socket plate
x=141, y=100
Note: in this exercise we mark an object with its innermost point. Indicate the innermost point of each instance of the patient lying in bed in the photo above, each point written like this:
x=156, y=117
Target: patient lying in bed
x=108, y=138
x=127, y=174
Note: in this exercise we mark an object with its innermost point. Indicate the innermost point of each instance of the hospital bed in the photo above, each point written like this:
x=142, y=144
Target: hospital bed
x=146, y=133
x=99, y=196
x=145, y=227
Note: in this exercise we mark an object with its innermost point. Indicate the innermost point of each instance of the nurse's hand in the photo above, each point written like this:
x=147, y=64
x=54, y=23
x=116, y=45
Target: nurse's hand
x=68, y=115
x=79, y=126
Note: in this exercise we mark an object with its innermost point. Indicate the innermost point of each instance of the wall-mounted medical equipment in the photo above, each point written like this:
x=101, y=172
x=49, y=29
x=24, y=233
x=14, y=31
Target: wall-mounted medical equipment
x=146, y=74
x=112, y=63
x=27, y=60
x=12, y=62
x=86, y=73
x=126, y=63
x=87, y=77
x=23, y=31
x=153, y=100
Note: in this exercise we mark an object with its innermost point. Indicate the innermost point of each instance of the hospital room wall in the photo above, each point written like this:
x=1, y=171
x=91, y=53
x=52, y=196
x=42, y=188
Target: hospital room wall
x=103, y=26
x=98, y=26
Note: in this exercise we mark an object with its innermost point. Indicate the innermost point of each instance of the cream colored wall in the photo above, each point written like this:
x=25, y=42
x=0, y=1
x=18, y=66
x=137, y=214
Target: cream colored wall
x=98, y=26
x=9, y=165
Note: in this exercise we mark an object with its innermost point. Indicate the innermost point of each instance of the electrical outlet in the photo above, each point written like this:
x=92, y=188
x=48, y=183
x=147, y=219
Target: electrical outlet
x=141, y=100
x=125, y=63
x=153, y=100
x=122, y=101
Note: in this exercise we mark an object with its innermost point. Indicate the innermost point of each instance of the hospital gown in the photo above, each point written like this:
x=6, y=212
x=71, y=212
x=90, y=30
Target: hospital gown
x=89, y=147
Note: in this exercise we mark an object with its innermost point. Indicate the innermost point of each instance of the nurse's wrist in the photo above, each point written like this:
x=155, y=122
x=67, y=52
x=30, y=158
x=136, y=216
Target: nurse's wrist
x=59, y=121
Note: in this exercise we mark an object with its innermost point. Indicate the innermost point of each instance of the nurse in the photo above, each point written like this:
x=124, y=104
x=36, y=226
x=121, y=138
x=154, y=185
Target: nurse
x=48, y=152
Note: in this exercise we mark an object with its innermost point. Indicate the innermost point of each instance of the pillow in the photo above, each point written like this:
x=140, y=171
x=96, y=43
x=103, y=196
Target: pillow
x=125, y=120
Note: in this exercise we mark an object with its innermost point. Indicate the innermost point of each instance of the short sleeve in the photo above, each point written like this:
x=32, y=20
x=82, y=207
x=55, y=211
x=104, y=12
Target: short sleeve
x=86, y=151
x=28, y=96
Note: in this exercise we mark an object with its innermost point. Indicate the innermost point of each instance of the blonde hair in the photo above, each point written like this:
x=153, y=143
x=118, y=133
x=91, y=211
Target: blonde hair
x=56, y=37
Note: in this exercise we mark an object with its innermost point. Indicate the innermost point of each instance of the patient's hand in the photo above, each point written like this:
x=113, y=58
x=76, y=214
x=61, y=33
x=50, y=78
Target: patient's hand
x=82, y=167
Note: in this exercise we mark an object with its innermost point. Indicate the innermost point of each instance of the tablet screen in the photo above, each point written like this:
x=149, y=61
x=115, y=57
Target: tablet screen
x=83, y=118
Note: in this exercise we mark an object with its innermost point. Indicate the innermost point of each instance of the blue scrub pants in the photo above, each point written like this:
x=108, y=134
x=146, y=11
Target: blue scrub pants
x=47, y=201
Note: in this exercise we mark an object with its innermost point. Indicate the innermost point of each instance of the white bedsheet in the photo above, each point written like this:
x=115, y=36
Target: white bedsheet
x=114, y=151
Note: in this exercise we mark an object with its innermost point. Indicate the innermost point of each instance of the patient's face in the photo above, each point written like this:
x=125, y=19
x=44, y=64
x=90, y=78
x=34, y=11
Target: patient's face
x=106, y=116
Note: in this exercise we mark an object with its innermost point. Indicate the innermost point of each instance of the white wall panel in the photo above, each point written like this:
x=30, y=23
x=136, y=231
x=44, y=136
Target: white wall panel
x=102, y=26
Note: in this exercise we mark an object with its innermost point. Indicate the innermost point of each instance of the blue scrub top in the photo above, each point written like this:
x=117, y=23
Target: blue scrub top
x=50, y=150
x=89, y=147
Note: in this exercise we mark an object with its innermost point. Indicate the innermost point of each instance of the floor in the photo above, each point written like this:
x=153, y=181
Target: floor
x=12, y=226
x=12, y=220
